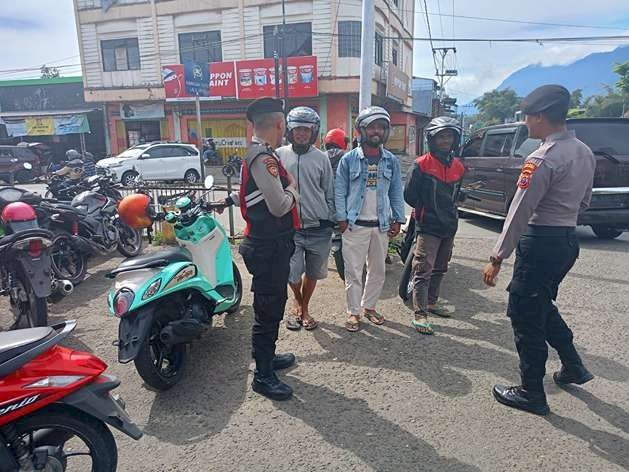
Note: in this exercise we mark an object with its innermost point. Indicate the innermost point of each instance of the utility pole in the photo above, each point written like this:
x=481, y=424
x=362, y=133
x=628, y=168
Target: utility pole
x=367, y=57
x=442, y=72
x=284, y=57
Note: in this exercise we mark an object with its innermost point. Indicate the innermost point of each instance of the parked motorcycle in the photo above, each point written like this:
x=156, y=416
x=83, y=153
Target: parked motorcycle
x=93, y=216
x=166, y=299
x=55, y=405
x=26, y=275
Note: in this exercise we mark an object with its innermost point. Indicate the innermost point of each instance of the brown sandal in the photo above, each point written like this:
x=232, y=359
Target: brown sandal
x=309, y=324
x=352, y=325
x=375, y=317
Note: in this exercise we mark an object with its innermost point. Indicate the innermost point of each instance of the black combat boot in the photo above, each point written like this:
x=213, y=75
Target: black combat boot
x=572, y=374
x=283, y=361
x=265, y=382
x=522, y=399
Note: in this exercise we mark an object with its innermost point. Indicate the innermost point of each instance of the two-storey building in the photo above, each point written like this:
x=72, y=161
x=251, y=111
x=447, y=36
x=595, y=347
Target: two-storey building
x=133, y=54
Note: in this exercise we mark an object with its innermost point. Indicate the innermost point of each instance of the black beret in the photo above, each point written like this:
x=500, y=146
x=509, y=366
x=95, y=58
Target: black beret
x=264, y=105
x=545, y=97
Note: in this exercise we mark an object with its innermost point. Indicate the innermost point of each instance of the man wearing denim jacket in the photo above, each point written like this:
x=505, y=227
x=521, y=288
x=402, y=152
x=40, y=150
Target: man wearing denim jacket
x=369, y=210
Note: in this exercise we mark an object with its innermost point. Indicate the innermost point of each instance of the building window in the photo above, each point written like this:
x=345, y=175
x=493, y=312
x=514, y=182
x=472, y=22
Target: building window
x=200, y=47
x=394, y=56
x=120, y=54
x=297, y=39
x=349, y=38
x=379, y=54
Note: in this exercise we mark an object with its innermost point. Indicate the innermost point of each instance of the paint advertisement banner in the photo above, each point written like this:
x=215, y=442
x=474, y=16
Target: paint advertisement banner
x=246, y=80
x=48, y=126
x=44, y=126
x=256, y=78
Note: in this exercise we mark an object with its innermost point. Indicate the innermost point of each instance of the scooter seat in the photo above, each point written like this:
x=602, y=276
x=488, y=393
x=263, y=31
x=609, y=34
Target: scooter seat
x=14, y=343
x=155, y=259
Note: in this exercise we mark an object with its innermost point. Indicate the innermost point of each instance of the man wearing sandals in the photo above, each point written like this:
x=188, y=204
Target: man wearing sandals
x=369, y=211
x=432, y=188
x=555, y=184
x=312, y=171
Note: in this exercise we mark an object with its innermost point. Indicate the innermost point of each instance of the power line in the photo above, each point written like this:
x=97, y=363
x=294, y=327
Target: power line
x=432, y=46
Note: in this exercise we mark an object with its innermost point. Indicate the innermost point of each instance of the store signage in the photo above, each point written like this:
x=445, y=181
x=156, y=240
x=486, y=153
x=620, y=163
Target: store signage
x=196, y=78
x=47, y=125
x=248, y=79
x=398, y=84
x=141, y=111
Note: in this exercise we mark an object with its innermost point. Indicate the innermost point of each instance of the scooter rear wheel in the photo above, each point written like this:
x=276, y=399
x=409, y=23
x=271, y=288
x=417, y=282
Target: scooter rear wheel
x=158, y=367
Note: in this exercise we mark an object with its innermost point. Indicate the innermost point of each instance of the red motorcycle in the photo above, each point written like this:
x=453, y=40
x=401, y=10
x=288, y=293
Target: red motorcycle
x=55, y=404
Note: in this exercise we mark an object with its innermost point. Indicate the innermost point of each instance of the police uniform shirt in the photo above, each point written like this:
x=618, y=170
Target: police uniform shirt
x=554, y=184
x=265, y=172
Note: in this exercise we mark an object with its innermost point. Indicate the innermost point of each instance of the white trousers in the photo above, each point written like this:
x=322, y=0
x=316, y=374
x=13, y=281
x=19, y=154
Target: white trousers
x=364, y=245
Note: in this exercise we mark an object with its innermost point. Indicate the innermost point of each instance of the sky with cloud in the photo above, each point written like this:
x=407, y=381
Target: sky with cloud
x=483, y=66
x=36, y=32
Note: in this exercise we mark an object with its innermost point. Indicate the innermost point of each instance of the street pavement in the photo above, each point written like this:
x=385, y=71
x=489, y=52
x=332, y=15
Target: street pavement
x=385, y=398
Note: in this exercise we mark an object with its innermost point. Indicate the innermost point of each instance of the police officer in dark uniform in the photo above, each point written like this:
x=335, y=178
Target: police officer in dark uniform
x=267, y=200
x=555, y=183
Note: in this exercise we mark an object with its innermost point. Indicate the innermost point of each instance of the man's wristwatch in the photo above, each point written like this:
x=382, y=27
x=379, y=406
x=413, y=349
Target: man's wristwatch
x=495, y=261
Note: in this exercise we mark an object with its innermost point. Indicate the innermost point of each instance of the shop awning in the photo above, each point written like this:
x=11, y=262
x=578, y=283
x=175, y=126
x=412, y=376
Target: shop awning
x=35, y=114
x=46, y=123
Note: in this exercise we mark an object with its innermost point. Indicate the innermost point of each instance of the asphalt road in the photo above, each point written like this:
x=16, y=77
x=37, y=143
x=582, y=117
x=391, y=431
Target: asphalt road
x=386, y=398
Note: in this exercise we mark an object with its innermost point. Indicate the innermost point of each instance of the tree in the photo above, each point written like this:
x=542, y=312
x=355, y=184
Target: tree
x=623, y=81
x=49, y=72
x=497, y=106
x=576, y=98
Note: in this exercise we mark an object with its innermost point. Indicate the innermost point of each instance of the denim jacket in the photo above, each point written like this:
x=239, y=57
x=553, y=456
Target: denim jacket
x=349, y=188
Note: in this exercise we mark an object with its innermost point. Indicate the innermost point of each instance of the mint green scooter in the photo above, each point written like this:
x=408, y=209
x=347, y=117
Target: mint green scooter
x=166, y=299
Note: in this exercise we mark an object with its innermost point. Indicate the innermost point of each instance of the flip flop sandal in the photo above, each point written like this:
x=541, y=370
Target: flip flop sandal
x=442, y=312
x=352, y=325
x=422, y=327
x=309, y=324
x=293, y=323
x=374, y=317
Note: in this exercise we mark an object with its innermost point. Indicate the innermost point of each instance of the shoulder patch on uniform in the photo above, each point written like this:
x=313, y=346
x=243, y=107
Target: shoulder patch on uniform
x=528, y=169
x=272, y=166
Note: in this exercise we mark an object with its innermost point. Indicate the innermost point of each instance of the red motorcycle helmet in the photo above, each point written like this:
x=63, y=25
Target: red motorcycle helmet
x=19, y=216
x=337, y=137
x=134, y=211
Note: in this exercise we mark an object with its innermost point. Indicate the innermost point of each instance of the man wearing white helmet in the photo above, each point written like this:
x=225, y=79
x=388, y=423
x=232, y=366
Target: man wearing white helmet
x=314, y=179
x=433, y=187
x=369, y=211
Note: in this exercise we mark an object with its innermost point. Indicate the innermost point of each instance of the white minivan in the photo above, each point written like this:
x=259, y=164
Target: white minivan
x=155, y=161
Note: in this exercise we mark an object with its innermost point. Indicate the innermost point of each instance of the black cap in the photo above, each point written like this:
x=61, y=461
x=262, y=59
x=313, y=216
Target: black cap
x=264, y=105
x=545, y=97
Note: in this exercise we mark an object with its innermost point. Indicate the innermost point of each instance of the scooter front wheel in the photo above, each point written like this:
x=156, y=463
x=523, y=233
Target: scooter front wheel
x=158, y=366
x=238, y=283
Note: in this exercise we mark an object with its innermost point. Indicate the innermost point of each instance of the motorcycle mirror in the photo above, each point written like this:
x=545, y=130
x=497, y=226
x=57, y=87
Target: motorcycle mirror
x=209, y=182
x=28, y=165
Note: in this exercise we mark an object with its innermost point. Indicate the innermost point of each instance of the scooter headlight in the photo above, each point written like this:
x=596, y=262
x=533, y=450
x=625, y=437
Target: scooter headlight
x=123, y=301
x=152, y=290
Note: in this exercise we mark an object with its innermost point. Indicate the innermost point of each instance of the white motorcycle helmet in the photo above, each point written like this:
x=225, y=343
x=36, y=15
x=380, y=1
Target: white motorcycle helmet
x=368, y=116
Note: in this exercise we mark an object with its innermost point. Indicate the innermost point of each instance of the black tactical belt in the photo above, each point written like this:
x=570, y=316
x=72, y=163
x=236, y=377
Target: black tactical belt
x=550, y=231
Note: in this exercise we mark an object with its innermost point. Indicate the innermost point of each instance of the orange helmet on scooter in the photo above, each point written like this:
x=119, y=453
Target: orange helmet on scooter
x=134, y=211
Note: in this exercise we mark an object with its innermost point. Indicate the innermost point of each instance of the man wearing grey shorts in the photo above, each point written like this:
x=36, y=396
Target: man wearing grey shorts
x=314, y=179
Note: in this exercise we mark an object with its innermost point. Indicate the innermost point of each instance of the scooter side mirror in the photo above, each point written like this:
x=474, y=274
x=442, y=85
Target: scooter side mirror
x=209, y=182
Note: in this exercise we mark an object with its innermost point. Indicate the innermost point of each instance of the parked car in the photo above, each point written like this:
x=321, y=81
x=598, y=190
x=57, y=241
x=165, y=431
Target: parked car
x=493, y=158
x=12, y=160
x=154, y=161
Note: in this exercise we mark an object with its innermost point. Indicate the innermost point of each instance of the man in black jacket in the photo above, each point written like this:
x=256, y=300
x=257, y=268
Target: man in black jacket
x=432, y=189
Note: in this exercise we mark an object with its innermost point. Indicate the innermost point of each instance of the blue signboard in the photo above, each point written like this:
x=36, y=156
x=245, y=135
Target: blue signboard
x=197, y=78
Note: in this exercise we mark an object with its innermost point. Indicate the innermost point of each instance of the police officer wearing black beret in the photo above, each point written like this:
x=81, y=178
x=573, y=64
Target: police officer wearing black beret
x=267, y=201
x=555, y=183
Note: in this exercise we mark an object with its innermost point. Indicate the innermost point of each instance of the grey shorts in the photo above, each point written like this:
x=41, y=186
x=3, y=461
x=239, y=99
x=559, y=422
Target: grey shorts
x=312, y=250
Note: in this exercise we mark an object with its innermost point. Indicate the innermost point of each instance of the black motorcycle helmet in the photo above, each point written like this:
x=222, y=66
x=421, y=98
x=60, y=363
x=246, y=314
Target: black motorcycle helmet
x=436, y=126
